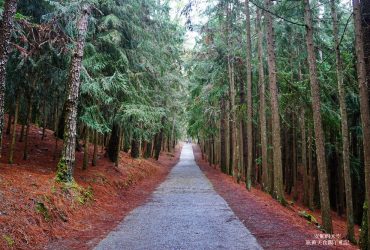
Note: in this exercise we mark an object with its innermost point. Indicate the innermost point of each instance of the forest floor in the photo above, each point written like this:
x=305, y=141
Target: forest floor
x=274, y=226
x=37, y=213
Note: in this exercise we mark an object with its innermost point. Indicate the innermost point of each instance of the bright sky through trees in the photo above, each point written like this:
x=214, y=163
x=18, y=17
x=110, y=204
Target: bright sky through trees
x=198, y=18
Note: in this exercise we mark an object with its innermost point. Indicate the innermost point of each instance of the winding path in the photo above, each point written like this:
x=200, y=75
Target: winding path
x=185, y=212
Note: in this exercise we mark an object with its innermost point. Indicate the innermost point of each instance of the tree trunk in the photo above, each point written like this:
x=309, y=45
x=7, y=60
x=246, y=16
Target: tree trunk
x=86, y=150
x=61, y=123
x=232, y=124
x=14, y=134
x=6, y=26
x=135, y=148
x=44, y=120
x=158, y=141
x=364, y=101
x=56, y=129
x=113, y=145
x=319, y=134
x=248, y=180
x=262, y=111
x=9, y=126
x=169, y=143
x=243, y=140
x=311, y=181
x=294, y=158
x=120, y=135
x=28, y=121
x=148, y=150
x=95, y=153
x=172, y=137
x=278, y=191
x=304, y=157
x=344, y=125
x=67, y=162
x=223, y=149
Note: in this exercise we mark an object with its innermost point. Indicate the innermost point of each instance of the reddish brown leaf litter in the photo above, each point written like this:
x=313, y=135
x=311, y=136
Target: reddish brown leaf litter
x=36, y=213
x=274, y=226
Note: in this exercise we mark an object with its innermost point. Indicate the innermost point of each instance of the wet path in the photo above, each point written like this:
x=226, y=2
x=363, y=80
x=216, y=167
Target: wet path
x=184, y=213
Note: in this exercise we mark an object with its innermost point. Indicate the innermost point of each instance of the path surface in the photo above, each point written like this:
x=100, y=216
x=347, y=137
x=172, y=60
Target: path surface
x=184, y=213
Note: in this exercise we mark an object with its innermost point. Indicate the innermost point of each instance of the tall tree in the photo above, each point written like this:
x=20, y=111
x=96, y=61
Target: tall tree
x=6, y=26
x=67, y=162
x=344, y=125
x=277, y=191
x=262, y=110
x=364, y=103
x=249, y=98
x=223, y=137
x=319, y=134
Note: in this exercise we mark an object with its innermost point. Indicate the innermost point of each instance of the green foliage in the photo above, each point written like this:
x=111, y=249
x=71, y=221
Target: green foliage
x=308, y=217
x=9, y=240
x=42, y=209
x=1, y=8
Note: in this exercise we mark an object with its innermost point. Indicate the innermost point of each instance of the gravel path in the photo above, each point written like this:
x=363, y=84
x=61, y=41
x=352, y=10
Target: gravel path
x=184, y=213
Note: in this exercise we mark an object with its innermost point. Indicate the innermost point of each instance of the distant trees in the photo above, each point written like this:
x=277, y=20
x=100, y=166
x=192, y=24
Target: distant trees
x=307, y=138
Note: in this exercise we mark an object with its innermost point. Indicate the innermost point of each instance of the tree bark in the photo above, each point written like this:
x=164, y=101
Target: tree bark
x=319, y=134
x=172, y=138
x=311, y=176
x=223, y=127
x=248, y=180
x=148, y=150
x=278, y=191
x=304, y=157
x=113, y=145
x=95, y=153
x=14, y=133
x=67, y=162
x=44, y=120
x=6, y=27
x=135, y=148
x=86, y=150
x=28, y=122
x=262, y=111
x=120, y=135
x=344, y=126
x=9, y=126
x=364, y=101
x=158, y=141
x=232, y=124
x=243, y=134
x=294, y=156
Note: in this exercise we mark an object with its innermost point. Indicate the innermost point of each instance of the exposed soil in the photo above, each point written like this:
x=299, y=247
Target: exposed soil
x=37, y=213
x=274, y=226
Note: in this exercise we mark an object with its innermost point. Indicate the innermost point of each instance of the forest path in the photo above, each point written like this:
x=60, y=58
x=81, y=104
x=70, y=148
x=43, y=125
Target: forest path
x=184, y=212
